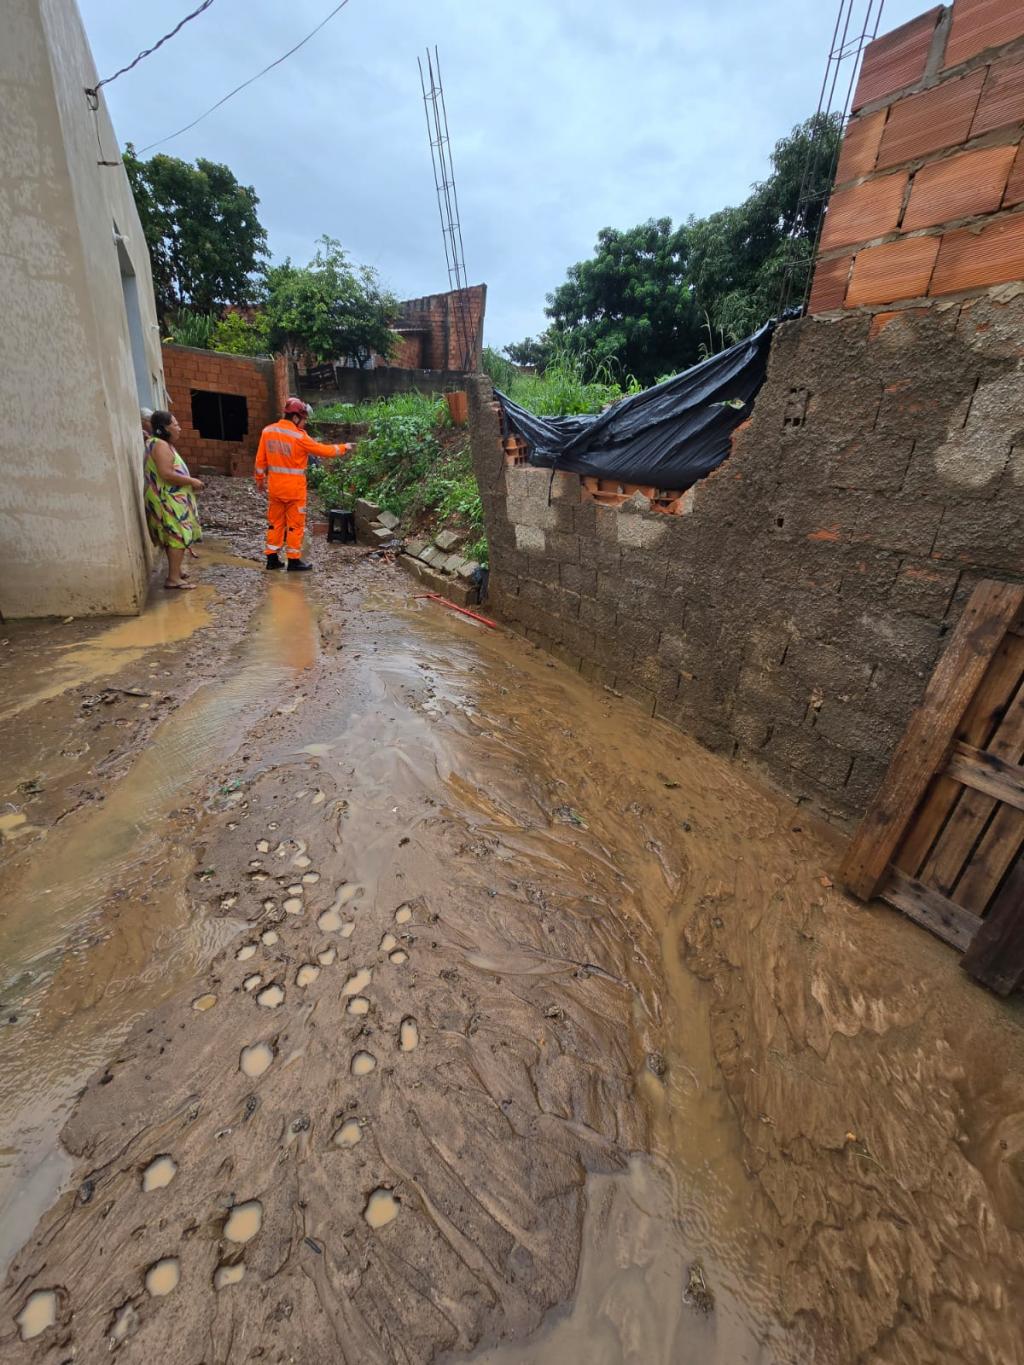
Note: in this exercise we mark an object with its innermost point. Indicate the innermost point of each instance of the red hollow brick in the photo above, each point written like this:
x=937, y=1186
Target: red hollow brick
x=897, y=59
x=860, y=146
x=830, y=279
x=931, y=121
x=980, y=24
x=897, y=270
x=1015, y=184
x=971, y=183
x=973, y=260
x=1002, y=99
x=870, y=209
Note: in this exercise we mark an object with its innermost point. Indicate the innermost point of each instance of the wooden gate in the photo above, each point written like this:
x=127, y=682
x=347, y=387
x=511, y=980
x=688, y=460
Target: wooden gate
x=943, y=840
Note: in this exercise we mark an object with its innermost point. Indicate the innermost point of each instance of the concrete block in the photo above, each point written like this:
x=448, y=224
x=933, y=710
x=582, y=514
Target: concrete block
x=388, y=520
x=415, y=548
x=449, y=540
x=459, y=593
x=467, y=568
x=381, y=534
x=809, y=754
x=453, y=563
x=530, y=539
x=579, y=579
x=367, y=511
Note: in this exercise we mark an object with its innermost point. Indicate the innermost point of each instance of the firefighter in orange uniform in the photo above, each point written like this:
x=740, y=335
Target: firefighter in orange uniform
x=284, y=451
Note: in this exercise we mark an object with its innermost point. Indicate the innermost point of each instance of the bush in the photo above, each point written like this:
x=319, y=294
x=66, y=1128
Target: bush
x=241, y=336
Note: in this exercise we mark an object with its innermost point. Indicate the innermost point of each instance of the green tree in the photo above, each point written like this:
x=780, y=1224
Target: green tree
x=534, y=352
x=241, y=335
x=205, y=241
x=329, y=309
x=739, y=257
x=631, y=305
x=651, y=298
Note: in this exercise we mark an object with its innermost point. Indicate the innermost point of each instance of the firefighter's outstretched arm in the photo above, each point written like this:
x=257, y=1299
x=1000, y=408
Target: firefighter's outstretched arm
x=312, y=447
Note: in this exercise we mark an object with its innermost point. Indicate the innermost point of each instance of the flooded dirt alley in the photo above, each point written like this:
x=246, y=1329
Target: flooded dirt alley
x=375, y=989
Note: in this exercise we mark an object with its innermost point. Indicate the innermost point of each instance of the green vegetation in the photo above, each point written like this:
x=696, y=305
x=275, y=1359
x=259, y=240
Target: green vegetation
x=649, y=296
x=241, y=335
x=206, y=244
x=412, y=462
x=188, y=328
x=572, y=383
x=329, y=309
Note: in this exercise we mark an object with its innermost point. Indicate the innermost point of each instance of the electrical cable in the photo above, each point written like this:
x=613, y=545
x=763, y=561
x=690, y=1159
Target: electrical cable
x=291, y=51
x=92, y=91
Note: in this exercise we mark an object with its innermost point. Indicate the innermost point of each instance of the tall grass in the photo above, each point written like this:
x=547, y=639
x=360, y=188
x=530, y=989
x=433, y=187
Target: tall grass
x=570, y=384
x=187, y=328
x=420, y=406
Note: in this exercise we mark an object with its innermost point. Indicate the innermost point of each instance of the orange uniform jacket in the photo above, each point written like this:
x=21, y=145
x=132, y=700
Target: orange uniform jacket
x=283, y=455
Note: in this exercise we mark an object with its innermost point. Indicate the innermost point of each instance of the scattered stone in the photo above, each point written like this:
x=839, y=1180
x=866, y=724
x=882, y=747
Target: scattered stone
x=468, y=569
x=415, y=547
x=381, y=534
x=447, y=540
x=453, y=563
x=388, y=520
x=656, y=1063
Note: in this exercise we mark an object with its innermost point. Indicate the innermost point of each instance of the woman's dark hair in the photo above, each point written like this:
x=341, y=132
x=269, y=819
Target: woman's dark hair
x=160, y=425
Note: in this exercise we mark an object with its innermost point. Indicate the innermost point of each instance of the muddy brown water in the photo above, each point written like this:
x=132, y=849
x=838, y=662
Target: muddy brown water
x=629, y=1029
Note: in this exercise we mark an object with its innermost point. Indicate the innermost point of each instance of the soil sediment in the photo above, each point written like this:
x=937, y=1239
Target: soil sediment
x=614, y=1020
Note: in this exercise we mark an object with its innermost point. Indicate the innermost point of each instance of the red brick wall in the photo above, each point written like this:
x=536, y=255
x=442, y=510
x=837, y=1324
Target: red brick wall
x=440, y=332
x=263, y=384
x=929, y=197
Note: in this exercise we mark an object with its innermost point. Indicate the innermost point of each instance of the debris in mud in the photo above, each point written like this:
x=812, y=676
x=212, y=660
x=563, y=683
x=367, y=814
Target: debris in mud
x=697, y=1293
x=656, y=1064
x=554, y=1012
x=568, y=815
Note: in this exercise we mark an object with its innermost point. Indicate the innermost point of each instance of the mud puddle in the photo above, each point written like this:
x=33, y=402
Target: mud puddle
x=635, y=1082
x=99, y=925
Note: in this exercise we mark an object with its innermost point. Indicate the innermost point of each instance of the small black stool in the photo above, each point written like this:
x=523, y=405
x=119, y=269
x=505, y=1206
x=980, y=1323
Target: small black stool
x=341, y=526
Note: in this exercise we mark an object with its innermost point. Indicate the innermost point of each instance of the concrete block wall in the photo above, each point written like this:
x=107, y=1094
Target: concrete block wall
x=791, y=616
x=929, y=197
x=262, y=382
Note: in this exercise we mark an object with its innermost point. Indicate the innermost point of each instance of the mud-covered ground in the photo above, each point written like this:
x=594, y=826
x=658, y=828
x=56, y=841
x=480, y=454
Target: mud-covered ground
x=424, y=1001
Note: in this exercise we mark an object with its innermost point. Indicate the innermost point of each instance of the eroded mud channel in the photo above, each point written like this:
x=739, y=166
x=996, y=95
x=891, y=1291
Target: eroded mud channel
x=429, y=1003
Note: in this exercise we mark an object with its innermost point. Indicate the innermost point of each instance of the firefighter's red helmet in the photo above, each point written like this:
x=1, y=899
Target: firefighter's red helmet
x=295, y=407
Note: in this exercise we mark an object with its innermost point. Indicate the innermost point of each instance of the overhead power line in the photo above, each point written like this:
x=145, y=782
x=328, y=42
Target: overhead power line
x=231, y=93
x=92, y=91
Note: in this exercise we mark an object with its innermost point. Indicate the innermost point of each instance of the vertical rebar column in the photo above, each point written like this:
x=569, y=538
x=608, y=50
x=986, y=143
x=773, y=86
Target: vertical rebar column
x=850, y=38
x=447, y=203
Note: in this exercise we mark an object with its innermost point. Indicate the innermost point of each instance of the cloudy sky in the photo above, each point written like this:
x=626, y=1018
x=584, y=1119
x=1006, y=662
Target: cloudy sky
x=566, y=116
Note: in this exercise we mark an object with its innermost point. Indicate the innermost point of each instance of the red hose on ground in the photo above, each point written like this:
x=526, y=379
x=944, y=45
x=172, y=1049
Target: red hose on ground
x=463, y=611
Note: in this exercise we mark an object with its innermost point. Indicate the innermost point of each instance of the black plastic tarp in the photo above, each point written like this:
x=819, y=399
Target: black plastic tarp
x=669, y=436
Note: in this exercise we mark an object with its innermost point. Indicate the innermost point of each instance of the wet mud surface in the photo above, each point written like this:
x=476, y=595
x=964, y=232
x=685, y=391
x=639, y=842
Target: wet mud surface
x=427, y=1004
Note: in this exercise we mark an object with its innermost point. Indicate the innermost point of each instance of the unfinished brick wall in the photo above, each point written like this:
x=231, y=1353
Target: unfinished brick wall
x=434, y=328
x=929, y=197
x=792, y=615
x=263, y=383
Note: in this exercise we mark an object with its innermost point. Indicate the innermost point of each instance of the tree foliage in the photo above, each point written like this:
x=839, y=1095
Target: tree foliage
x=241, y=335
x=205, y=241
x=329, y=309
x=653, y=299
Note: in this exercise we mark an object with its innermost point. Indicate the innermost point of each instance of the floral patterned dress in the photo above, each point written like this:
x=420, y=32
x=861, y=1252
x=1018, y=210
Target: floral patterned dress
x=171, y=512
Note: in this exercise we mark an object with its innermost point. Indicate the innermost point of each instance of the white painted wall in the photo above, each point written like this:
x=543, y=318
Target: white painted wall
x=72, y=530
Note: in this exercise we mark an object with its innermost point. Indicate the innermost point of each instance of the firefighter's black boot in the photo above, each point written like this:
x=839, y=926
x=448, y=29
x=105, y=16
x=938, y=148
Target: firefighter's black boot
x=298, y=566
x=273, y=562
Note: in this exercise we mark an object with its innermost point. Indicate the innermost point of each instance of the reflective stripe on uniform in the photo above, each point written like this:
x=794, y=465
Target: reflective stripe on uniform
x=284, y=469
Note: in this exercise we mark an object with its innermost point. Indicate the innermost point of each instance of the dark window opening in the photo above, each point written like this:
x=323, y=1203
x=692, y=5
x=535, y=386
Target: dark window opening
x=220, y=416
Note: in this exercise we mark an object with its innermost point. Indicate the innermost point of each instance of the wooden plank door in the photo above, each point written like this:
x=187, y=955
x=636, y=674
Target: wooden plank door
x=943, y=840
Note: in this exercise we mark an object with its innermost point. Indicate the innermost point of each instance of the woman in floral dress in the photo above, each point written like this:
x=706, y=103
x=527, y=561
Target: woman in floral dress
x=171, y=512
